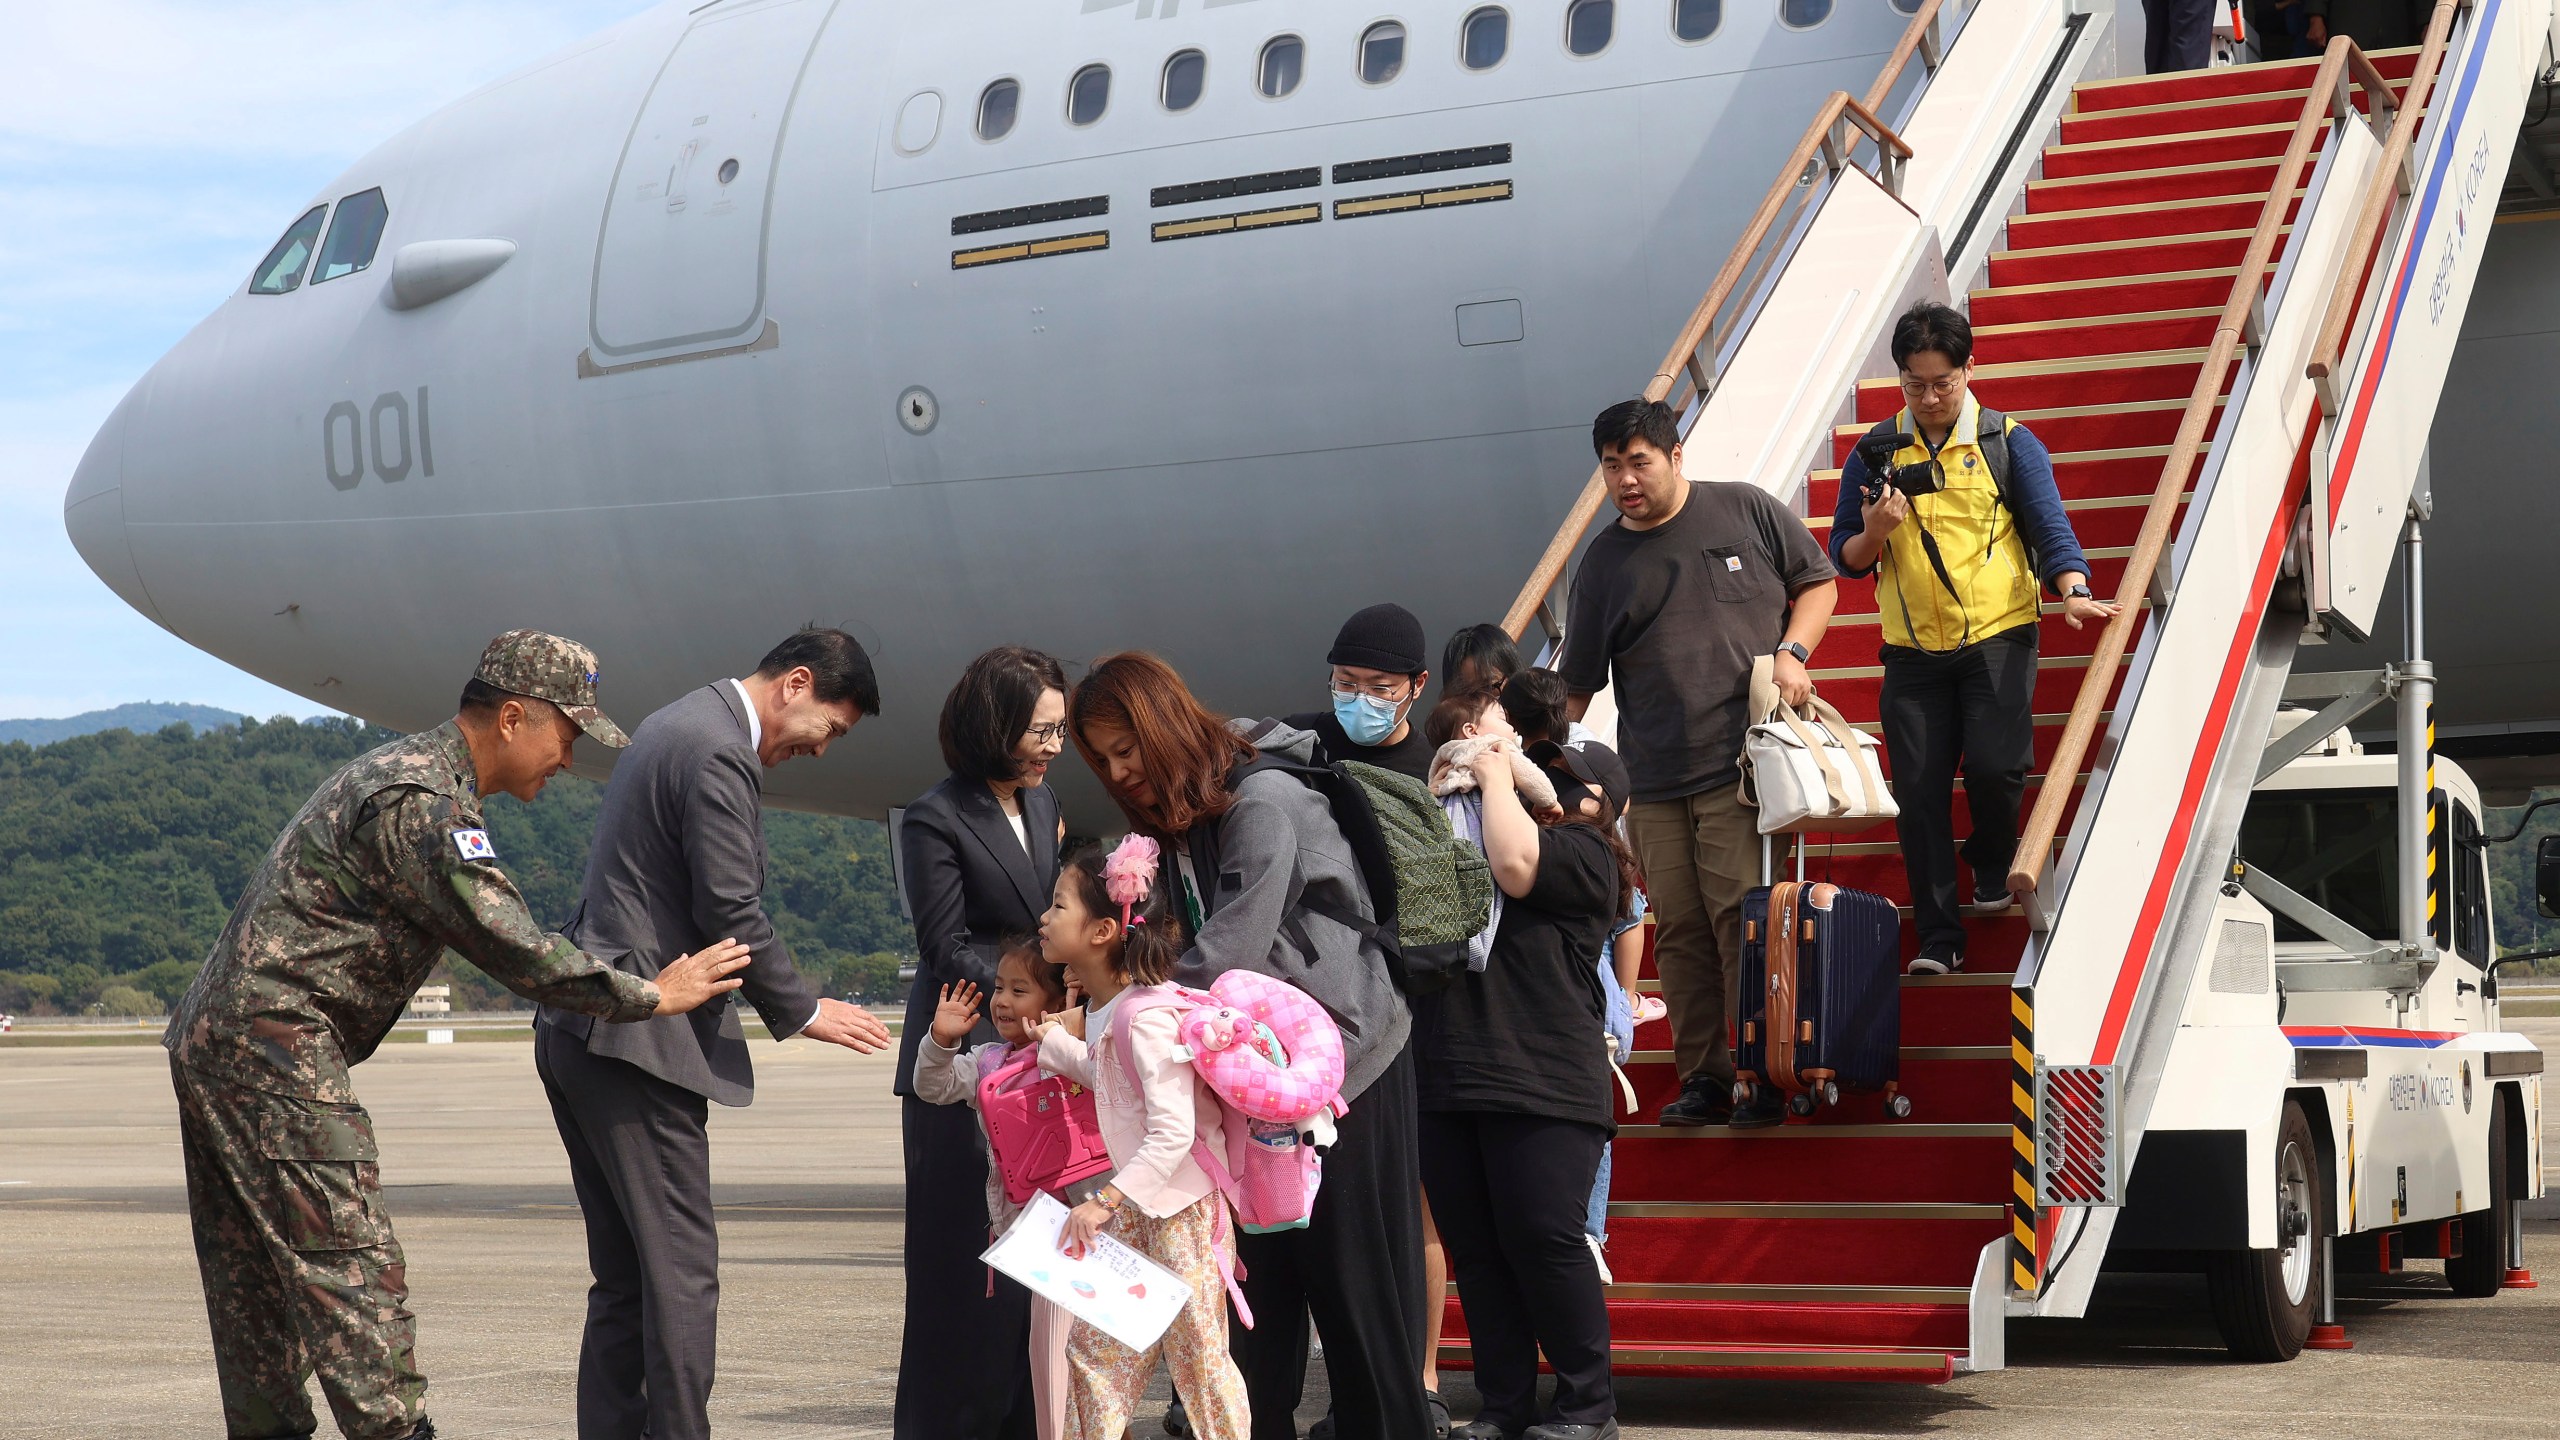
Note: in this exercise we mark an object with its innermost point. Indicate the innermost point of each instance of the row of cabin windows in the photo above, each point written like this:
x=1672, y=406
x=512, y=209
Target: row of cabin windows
x=1484, y=39
x=353, y=238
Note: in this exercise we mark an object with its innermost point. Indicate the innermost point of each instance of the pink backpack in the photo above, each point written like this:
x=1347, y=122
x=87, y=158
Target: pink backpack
x=1273, y=1057
x=1042, y=1129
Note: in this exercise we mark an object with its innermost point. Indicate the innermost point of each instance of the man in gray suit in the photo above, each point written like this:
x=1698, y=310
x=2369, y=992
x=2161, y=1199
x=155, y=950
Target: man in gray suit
x=679, y=859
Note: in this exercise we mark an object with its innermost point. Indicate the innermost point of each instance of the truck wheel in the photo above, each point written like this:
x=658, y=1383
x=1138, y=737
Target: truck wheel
x=2483, y=1263
x=2264, y=1300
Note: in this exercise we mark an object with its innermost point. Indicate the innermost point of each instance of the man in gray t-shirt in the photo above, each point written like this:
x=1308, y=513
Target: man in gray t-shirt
x=1671, y=607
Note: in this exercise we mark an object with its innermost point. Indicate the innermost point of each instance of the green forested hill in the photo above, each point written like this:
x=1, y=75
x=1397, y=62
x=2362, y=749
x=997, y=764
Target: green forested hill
x=121, y=854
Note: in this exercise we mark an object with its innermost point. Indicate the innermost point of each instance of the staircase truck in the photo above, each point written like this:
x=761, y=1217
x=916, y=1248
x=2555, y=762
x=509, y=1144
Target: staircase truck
x=2244, y=1020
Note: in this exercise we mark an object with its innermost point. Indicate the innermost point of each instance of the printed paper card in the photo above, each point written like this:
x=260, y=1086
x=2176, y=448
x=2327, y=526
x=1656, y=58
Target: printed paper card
x=1113, y=1288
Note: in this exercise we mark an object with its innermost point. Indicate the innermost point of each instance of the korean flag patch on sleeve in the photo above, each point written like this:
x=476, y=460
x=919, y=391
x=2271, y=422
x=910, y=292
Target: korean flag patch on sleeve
x=474, y=845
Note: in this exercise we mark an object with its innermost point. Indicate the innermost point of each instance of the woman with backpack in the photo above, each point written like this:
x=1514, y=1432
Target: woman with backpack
x=1262, y=878
x=1517, y=1102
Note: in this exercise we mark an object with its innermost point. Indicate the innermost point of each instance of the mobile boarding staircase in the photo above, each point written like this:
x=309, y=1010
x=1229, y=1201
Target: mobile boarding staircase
x=2226, y=300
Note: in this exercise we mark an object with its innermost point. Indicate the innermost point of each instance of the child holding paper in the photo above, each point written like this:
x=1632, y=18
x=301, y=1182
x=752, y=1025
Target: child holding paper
x=1114, y=935
x=1027, y=987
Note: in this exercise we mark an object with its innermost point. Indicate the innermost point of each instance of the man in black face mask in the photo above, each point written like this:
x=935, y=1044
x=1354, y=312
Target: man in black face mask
x=1378, y=675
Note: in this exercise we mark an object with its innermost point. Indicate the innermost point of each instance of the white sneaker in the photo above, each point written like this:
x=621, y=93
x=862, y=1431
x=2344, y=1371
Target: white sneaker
x=1599, y=1258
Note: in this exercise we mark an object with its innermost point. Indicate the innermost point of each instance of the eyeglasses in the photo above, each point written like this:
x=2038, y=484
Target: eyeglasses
x=1938, y=389
x=1043, y=734
x=1389, y=690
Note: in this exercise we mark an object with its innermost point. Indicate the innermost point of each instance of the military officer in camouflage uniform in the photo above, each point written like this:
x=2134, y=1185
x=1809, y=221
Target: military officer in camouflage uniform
x=386, y=867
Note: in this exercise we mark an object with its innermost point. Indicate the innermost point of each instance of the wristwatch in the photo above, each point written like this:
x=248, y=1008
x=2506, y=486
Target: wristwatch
x=1795, y=648
x=2079, y=592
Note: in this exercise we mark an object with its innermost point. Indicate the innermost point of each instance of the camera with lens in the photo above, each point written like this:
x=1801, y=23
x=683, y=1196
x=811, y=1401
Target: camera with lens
x=1876, y=452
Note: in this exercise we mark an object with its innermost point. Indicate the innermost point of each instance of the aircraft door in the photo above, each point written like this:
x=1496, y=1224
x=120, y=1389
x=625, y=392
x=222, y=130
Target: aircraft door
x=680, y=262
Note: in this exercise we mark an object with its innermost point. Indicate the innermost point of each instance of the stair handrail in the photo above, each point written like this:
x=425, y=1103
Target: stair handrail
x=1690, y=364
x=2391, y=181
x=2243, y=321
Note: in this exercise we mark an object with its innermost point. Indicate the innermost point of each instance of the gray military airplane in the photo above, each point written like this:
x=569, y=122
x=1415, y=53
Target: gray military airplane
x=1191, y=325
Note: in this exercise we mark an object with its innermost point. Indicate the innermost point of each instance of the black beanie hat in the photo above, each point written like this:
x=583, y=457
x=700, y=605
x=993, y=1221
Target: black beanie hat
x=1382, y=637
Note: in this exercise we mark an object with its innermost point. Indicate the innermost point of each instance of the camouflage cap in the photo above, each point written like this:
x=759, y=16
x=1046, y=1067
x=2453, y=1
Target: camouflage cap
x=547, y=667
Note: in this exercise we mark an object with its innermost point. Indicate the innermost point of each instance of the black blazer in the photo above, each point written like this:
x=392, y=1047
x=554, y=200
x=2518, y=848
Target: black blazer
x=679, y=862
x=970, y=886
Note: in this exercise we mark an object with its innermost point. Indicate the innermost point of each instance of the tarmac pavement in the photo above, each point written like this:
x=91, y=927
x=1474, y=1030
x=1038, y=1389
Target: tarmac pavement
x=102, y=1329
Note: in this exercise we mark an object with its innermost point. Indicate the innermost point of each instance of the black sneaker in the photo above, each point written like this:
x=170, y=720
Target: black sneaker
x=1558, y=1430
x=1761, y=1111
x=1990, y=896
x=1937, y=960
x=1479, y=1430
x=1701, y=1102
x=1439, y=1414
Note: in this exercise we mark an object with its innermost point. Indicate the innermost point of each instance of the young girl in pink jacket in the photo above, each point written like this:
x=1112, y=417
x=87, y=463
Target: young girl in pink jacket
x=1115, y=937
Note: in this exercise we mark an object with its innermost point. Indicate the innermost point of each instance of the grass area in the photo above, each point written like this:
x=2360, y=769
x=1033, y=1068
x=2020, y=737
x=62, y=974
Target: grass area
x=2536, y=1009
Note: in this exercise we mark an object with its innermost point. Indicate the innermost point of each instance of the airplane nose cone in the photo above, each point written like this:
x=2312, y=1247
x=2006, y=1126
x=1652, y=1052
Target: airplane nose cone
x=93, y=513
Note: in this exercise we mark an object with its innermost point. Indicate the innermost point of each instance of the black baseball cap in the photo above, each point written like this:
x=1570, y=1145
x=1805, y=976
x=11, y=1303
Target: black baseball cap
x=1589, y=768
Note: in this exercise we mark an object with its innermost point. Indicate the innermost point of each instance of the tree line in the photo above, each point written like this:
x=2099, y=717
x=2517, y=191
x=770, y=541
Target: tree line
x=121, y=856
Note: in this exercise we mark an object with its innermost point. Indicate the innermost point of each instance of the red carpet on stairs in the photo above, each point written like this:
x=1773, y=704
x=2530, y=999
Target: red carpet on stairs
x=1844, y=1246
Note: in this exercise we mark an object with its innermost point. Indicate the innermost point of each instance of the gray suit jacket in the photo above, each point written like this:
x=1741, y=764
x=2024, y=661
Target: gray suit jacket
x=678, y=863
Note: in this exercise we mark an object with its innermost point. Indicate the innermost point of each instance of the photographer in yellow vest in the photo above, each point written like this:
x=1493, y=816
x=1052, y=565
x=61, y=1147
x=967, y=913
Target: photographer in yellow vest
x=1952, y=507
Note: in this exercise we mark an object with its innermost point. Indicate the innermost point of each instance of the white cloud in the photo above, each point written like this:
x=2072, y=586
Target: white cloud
x=265, y=78
x=149, y=151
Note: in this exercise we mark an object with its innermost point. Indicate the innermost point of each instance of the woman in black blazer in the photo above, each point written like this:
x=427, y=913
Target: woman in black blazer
x=979, y=853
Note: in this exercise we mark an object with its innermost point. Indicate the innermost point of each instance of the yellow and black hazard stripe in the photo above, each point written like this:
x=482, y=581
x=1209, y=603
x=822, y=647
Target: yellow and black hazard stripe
x=2025, y=1268
x=2439, y=874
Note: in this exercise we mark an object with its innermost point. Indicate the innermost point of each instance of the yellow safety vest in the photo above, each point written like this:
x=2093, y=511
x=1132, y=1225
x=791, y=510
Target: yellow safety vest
x=1994, y=585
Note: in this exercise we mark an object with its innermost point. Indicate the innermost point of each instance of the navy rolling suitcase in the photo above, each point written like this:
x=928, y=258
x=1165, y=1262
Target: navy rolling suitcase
x=1821, y=1011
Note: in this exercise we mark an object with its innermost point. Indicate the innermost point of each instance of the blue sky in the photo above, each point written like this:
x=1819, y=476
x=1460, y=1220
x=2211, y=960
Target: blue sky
x=150, y=151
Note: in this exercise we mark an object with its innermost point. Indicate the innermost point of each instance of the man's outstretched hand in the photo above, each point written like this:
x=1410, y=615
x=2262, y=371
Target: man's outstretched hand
x=850, y=1026
x=695, y=978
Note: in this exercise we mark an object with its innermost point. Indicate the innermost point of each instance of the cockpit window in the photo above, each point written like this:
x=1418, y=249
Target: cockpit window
x=353, y=236
x=282, y=269
x=996, y=108
x=1089, y=94
x=1283, y=61
x=1486, y=37
x=1381, y=53
x=1588, y=24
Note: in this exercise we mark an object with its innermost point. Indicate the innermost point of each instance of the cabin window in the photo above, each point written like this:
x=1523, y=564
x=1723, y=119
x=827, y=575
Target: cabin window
x=2470, y=866
x=1588, y=25
x=1695, y=20
x=1184, y=75
x=1486, y=38
x=1089, y=94
x=997, y=105
x=2336, y=847
x=1803, y=14
x=282, y=269
x=1381, y=53
x=353, y=236
x=1284, y=61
